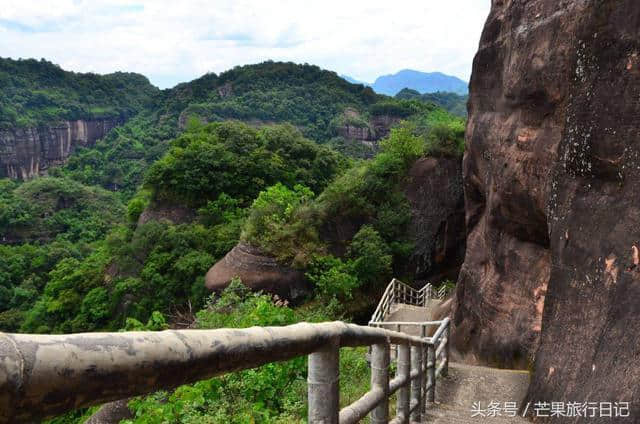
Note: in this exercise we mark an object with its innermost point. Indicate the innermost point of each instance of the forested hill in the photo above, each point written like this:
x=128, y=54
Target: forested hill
x=310, y=98
x=123, y=234
x=304, y=95
x=36, y=92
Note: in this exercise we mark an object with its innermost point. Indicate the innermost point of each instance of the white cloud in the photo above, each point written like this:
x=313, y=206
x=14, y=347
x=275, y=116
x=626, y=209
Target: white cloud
x=172, y=41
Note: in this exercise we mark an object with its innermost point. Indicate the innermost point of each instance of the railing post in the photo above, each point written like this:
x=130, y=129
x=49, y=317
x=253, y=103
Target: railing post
x=447, y=346
x=380, y=381
x=396, y=347
x=416, y=385
x=431, y=373
x=423, y=399
x=323, y=385
x=404, y=371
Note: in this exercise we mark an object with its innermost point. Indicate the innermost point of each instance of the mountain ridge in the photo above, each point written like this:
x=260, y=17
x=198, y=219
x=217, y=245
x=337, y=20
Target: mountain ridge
x=422, y=82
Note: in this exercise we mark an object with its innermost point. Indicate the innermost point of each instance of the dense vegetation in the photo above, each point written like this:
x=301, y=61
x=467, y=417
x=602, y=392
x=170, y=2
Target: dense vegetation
x=239, y=161
x=451, y=102
x=38, y=92
x=297, y=228
x=48, y=208
x=76, y=257
x=271, y=92
x=217, y=170
x=303, y=95
x=274, y=393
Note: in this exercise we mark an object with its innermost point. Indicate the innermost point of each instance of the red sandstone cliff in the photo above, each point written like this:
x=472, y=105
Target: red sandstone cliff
x=551, y=177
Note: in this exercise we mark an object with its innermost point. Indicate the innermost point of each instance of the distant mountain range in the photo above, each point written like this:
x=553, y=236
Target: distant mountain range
x=422, y=82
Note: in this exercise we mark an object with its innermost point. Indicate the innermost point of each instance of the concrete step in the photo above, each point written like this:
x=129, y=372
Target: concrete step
x=411, y=313
x=467, y=384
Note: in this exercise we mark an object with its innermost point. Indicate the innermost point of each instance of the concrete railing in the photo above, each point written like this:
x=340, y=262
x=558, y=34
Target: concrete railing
x=398, y=292
x=45, y=375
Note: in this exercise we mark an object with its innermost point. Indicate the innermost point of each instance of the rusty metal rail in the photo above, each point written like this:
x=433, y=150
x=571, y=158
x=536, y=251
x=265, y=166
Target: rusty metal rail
x=45, y=375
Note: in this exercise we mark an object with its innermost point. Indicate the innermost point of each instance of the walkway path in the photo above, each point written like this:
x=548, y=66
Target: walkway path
x=466, y=384
x=465, y=395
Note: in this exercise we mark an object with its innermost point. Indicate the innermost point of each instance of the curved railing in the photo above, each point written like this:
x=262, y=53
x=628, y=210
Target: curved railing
x=398, y=292
x=45, y=375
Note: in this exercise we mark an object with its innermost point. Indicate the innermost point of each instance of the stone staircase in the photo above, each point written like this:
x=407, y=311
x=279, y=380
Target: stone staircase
x=411, y=313
x=466, y=394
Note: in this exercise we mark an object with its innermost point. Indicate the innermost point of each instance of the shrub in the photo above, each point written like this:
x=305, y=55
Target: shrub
x=332, y=277
x=371, y=255
x=276, y=224
x=137, y=205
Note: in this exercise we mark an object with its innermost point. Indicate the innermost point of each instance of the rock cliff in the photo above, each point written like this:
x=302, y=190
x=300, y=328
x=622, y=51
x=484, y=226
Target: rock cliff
x=368, y=132
x=434, y=191
x=551, y=177
x=26, y=153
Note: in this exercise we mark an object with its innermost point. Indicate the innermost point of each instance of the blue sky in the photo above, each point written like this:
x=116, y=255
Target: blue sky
x=175, y=41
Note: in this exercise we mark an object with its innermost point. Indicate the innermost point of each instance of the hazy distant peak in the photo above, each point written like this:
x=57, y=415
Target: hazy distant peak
x=423, y=82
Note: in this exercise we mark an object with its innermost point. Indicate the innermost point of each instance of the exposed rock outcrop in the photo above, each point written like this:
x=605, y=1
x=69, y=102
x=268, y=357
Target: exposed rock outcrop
x=258, y=272
x=434, y=191
x=552, y=182
x=26, y=153
x=366, y=132
x=382, y=125
x=111, y=413
x=173, y=213
x=352, y=132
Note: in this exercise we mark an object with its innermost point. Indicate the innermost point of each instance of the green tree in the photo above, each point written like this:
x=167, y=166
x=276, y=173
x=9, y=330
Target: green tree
x=371, y=256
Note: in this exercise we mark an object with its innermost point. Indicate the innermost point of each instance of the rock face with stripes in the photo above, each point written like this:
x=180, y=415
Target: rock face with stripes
x=26, y=153
x=552, y=182
x=258, y=272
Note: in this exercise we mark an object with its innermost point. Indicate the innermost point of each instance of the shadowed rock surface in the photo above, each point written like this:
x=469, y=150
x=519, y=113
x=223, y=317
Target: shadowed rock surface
x=591, y=324
x=26, y=153
x=257, y=272
x=434, y=191
x=377, y=128
x=551, y=178
x=171, y=212
x=519, y=92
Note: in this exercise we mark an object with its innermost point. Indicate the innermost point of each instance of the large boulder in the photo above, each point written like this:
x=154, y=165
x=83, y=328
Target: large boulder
x=258, y=272
x=552, y=177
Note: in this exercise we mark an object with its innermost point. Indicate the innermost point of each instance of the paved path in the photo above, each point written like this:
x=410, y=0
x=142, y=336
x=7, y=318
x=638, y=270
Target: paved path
x=409, y=313
x=466, y=384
